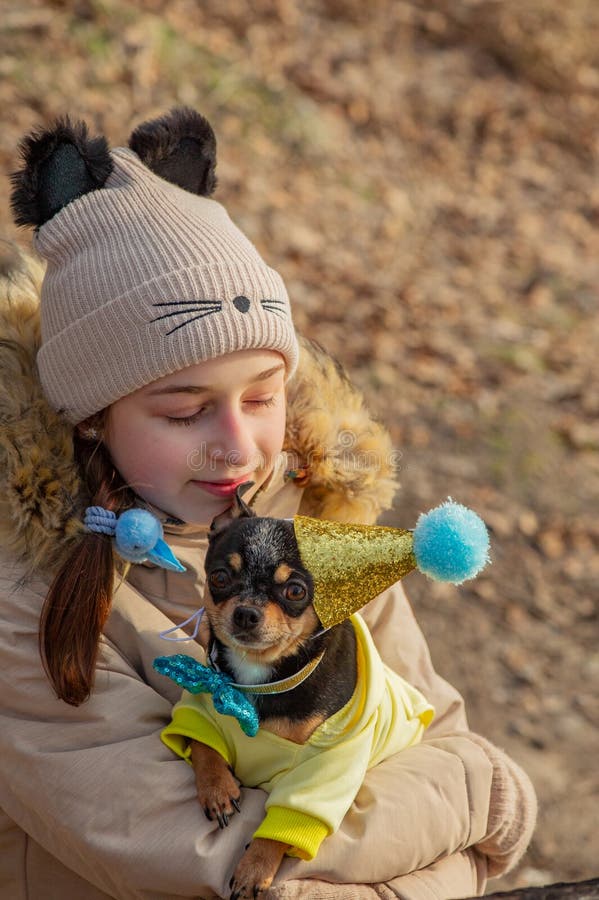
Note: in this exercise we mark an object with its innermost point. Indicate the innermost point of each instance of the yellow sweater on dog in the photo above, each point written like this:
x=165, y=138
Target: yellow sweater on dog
x=312, y=785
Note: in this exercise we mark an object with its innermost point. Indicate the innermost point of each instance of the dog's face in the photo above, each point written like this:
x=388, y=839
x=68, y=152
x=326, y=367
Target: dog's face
x=258, y=593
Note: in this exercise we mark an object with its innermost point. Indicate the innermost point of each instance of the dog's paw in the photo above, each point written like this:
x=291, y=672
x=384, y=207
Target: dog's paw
x=217, y=787
x=257, y=868
x=219, y=796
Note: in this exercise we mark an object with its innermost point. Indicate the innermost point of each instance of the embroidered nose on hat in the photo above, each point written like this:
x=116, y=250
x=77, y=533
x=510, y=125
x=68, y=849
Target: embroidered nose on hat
x=145, y=273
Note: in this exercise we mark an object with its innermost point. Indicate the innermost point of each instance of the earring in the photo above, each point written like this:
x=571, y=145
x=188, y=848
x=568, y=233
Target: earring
x=91, y=434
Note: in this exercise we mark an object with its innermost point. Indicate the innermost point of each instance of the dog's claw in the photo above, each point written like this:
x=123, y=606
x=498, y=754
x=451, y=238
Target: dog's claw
x=236, y=804
x=222, y=818
x=235, y=895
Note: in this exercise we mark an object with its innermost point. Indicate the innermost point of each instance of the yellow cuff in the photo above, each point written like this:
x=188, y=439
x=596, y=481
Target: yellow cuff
x=189, y=724
x=303, y=832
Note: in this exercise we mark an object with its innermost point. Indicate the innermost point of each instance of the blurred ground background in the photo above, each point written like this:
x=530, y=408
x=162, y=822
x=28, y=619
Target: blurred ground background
x=424, y=175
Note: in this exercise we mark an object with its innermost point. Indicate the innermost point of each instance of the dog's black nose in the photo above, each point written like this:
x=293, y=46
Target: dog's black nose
x=247, y=617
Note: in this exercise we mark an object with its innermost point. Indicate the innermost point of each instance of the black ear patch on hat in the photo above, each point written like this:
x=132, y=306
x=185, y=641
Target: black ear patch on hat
x=179, y=147
x=61, y=163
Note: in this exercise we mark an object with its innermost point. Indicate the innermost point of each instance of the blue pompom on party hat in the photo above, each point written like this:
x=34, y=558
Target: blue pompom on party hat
x=451, y=543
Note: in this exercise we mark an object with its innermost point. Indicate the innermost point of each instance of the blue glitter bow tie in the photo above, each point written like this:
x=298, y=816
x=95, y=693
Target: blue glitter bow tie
x=199, y=679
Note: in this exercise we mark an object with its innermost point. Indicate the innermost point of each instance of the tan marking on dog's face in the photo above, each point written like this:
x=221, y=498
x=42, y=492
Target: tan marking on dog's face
x=282, y=573
x=236, y=562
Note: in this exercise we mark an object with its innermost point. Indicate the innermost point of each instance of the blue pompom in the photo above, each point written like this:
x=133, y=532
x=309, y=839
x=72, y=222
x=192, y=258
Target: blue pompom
x=137, y=531
x=451, y=543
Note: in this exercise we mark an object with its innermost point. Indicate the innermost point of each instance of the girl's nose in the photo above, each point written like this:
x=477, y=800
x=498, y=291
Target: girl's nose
x=233, y=444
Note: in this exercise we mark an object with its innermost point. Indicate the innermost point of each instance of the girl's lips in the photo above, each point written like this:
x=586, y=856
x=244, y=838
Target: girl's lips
x=221, y=488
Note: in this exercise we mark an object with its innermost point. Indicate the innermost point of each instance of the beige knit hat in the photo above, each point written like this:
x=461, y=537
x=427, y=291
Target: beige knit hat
x=144, y=276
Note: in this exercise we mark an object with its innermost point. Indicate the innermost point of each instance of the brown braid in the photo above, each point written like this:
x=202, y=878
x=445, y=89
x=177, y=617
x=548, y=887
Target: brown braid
x=80, y=596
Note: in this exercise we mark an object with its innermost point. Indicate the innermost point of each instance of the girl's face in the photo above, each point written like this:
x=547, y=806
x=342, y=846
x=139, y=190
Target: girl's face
x=186, y=441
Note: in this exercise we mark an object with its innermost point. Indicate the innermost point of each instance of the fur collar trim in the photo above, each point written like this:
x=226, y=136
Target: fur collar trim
x=342, y=459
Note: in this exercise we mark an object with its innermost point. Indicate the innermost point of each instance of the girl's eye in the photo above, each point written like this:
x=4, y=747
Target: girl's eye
x=268, y=401
x=295, y=591
x=187, y=420
x=219, y=579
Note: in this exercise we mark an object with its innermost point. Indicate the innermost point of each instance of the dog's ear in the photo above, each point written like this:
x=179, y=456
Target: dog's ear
x=179, y=147
x=60, y=164
x=238, y=510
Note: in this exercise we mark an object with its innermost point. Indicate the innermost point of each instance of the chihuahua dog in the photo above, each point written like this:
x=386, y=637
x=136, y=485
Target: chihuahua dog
x=263, y=629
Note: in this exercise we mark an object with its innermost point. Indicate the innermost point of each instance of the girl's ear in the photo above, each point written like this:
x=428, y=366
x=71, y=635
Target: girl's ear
x=60, y=164
x=179, y=147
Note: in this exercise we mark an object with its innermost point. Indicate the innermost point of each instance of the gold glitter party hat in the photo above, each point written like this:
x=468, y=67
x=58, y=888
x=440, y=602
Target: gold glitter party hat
x=351, y=564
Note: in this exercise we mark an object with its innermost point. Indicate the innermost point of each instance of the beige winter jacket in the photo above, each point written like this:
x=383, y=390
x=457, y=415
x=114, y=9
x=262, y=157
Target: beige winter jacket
x=93, y=805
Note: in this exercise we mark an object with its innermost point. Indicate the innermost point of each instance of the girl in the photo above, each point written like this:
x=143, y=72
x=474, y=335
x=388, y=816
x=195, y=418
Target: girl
x=167, y=371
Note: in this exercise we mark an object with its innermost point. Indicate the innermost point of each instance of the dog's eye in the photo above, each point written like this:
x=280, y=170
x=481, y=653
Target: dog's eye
x=219, y=579
x=295, y=591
